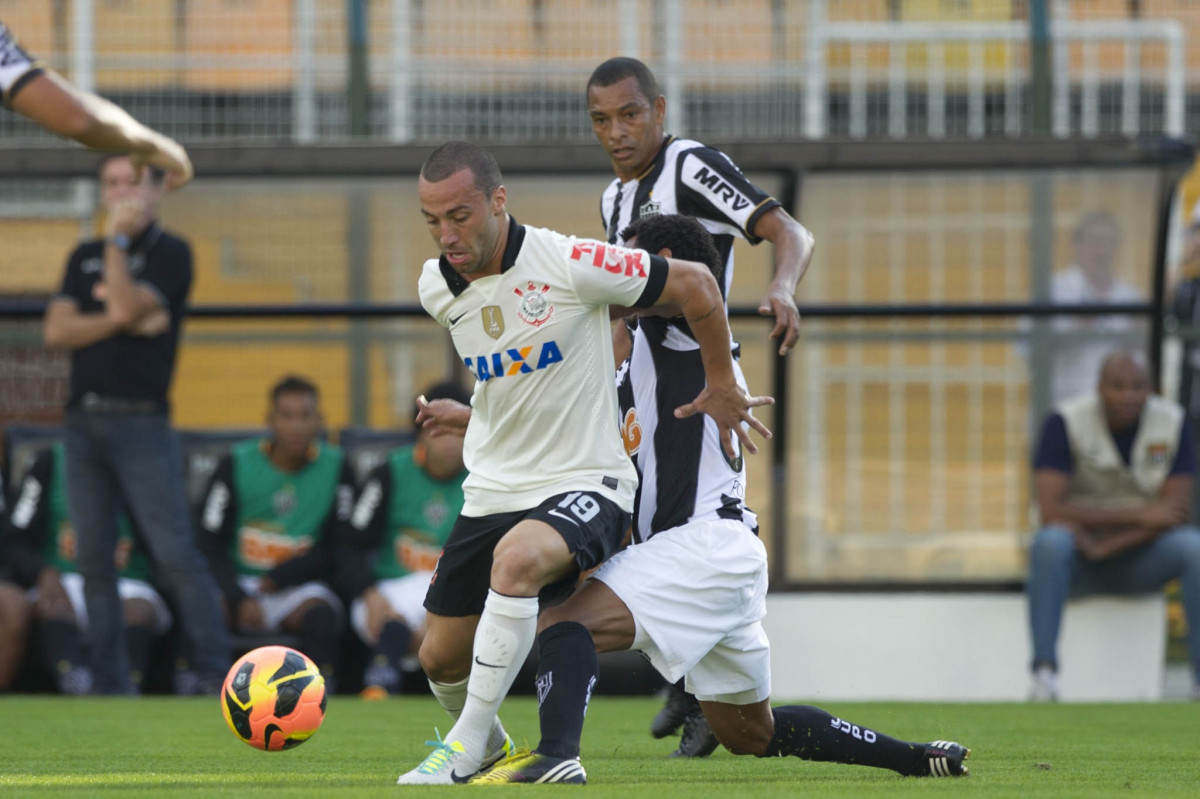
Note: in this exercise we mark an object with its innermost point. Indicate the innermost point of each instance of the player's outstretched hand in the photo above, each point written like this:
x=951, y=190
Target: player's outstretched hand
x=443, y=416
x=168, y=155
x=731, y=408
x=782, y=306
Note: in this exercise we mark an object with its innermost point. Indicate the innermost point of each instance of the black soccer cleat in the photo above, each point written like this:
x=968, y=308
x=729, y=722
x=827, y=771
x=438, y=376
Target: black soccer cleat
x=697, y=739
x=944, y=759
x=671, y=715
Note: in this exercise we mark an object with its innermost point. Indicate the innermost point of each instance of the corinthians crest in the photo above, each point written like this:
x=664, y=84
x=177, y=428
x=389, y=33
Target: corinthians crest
x=534, y=309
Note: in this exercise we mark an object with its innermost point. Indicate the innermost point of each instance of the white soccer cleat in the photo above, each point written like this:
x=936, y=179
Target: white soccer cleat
x=506, y=750
x=447, y=764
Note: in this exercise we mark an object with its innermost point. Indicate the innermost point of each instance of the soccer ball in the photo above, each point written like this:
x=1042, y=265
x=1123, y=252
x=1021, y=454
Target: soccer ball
x=273, y=698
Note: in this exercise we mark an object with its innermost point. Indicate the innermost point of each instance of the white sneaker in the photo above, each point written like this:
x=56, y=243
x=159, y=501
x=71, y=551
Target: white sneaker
x=1045, y=685
x=447, y=764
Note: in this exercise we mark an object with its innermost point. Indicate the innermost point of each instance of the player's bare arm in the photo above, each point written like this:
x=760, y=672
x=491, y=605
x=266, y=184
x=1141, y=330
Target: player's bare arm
x=692, y=292
x=94, y=122
x=794, y=246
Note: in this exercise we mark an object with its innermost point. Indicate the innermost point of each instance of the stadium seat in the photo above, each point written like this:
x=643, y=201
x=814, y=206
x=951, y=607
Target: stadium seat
x=202, y=449
x=22, y=443
x=366, y=448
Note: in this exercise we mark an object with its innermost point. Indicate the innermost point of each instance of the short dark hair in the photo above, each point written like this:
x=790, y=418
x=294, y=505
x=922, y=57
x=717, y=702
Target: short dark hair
x=455, y=156
x=1094, y=219
x=615, y=70
x=294, y=384
x=157, y=176
x=682, y=235
x=449, y=389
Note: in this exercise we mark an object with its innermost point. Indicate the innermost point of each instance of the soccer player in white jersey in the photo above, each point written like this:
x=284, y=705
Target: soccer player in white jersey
x=690, y=593
x=43, y=96
x=550, y=489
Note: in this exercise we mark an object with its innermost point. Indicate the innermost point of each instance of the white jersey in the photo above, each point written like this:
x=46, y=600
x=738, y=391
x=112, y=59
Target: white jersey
x=685, y=474
x=537, y=339
x=690, y=179
x=16, y=67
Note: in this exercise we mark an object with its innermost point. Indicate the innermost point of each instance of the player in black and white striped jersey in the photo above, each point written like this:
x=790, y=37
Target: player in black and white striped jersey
x=664, y=174
x=690, y=593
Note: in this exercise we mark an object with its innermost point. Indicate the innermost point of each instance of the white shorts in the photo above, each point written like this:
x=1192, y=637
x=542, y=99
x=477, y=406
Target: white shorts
x=405, y=594
x=278, y=606
x=72, y=583
x=698, y=594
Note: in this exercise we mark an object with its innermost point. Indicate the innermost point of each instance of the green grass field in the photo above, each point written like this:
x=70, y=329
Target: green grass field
x=181, y=747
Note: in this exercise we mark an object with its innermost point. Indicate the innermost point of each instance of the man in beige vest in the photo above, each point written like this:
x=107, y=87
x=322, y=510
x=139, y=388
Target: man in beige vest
x=1114, y=471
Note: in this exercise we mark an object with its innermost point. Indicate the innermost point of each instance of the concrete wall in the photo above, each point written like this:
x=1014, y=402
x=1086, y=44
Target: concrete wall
x=958, y=647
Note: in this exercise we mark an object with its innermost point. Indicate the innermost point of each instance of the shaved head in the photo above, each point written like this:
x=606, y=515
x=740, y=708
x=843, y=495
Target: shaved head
x=1124, y=361
x=1124, y=387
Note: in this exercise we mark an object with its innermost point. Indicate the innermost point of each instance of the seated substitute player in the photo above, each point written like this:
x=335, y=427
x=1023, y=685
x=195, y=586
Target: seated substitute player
x=14, y=618
x=39, y=546
x=267, y=521
x=43, y=96
x=550, y=488
x=391, y=542
x=690, y=592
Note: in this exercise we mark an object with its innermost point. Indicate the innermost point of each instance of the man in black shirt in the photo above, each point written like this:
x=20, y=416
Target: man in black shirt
x=119, y=313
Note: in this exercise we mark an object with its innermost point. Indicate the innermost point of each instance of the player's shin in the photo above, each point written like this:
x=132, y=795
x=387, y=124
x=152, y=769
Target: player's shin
x=812, y=734
x=502, y=640
x=567, y=674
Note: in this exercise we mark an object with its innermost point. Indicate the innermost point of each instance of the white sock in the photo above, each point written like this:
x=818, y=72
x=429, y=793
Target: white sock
x=503, y=639
x=452, y=697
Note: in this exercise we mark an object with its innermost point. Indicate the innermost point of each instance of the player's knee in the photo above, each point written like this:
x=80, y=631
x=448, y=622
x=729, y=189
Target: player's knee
x=441, y=664
x=745, y=740
x=518, y=572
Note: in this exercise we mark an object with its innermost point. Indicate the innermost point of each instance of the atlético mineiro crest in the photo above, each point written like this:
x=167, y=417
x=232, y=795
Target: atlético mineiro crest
x=649, y=208
x=534, y=309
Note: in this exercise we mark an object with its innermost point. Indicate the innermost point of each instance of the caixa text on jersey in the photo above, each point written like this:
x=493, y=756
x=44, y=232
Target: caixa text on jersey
x=513, y=361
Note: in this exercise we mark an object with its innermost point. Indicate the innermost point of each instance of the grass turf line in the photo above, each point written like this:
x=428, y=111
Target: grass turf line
x=51, y=746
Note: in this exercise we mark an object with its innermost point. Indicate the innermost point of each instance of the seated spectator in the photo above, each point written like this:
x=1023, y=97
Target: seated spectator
x=265, y=526
x=14, y=619
x=391, y=542
x=39, y=548
x=1114, y=472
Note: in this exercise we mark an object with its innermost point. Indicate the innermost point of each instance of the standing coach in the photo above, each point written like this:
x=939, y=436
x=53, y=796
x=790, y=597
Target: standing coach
x=119, y=313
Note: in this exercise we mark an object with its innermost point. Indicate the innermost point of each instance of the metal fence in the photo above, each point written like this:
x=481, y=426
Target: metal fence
x=514, y=70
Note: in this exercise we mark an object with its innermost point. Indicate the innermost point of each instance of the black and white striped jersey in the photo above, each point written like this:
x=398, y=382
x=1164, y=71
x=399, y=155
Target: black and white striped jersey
x=685, y=474
x=690, y=179
x=16, y=67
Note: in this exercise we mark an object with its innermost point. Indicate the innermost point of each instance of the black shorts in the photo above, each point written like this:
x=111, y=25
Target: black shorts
x=591, y=524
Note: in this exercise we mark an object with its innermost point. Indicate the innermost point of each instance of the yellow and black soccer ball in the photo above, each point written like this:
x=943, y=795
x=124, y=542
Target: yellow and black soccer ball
x=273, y=698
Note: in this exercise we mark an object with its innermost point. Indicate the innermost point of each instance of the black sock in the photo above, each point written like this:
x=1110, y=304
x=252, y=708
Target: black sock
x=319, y=637
x=62, y=646
x=139, y=638
x=566, y=675
x=810, y=733
x=393, y=642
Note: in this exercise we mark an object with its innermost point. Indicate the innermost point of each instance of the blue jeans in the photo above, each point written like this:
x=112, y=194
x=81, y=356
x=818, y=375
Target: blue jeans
x=1057, y=571
x=137, y=458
